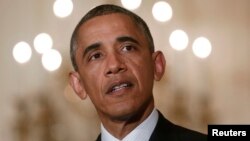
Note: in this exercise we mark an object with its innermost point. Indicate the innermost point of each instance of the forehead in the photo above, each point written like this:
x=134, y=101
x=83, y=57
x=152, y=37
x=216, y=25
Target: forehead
x=110, y=24
x=110, y=19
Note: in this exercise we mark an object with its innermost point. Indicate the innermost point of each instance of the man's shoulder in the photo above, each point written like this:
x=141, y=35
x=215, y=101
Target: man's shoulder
x=166, y=130
x=184, y=134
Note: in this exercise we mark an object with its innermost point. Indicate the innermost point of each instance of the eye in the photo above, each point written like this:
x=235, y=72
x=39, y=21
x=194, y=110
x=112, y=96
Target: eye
x=95, y=56
x=127, y=48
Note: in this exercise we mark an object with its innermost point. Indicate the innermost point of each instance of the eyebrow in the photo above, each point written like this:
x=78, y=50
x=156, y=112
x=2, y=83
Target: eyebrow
x=127, y=38
x=91, y=47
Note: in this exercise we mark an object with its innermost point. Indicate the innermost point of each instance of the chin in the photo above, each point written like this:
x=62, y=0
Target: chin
x=124, y=114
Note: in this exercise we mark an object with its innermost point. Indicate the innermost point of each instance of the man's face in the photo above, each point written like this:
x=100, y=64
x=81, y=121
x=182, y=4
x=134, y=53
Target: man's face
x=116, y=67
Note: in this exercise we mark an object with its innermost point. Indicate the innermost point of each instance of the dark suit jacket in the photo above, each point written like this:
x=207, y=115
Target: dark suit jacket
x=167, y=131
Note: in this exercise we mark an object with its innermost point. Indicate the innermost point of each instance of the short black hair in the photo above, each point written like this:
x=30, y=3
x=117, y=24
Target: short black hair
x=105, y=10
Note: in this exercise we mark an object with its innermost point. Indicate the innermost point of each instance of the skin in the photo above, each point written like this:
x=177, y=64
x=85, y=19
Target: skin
x=112, y=51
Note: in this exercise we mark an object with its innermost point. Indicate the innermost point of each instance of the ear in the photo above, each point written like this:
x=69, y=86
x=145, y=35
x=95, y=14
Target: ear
x=76, y=83
x=159, y=65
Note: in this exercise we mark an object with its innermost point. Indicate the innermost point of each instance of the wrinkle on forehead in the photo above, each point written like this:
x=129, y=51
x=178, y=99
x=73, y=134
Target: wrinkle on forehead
x=107, y=25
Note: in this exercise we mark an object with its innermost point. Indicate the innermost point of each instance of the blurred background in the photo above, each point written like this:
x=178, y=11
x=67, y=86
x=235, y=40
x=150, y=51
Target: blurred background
x=207, y=79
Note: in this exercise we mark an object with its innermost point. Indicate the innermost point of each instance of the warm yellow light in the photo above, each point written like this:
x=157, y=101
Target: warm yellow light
x=162, y=11
x=51, y=60
x=131, y=4
x=63, y=8
x=202, y=47
x=178, y=40
x=22, y=52
x=43, y=42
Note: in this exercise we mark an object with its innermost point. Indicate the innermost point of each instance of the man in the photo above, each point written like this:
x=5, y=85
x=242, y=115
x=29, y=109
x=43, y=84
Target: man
x=115, y=64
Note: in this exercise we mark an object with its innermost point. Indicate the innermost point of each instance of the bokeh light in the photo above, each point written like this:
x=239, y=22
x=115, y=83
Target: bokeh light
x=22, y=52
x=131, y=4
x=63, y=8
x=202, y=47
x=162, y=11
x=178, y=40
x=51, y=60
x=43, y=42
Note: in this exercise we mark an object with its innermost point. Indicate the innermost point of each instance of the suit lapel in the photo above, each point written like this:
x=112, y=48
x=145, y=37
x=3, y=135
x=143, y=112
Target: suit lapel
x=163, y=129
x=98, y=138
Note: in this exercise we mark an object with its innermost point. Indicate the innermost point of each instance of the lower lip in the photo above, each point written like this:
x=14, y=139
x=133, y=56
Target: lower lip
x=121, y=91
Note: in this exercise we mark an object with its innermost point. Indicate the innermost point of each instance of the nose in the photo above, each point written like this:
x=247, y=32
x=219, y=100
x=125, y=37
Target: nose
x=115, y=64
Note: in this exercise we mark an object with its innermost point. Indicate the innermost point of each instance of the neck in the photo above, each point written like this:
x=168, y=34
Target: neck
x=121, y=127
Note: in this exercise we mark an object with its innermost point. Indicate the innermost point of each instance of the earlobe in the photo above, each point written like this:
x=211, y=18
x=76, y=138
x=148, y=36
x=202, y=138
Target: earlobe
x=76, y=84
x=159, y=65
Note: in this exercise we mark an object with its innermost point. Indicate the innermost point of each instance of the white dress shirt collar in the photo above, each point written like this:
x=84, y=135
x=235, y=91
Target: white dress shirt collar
x=141, y=133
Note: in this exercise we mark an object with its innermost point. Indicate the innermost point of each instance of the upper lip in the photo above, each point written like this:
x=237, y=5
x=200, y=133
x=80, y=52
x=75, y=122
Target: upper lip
x=116, y=84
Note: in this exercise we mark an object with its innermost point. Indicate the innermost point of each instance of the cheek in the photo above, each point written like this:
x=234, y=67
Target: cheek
x=147, y=78
x=143, y=70
x=92, y=77
x=93, y=87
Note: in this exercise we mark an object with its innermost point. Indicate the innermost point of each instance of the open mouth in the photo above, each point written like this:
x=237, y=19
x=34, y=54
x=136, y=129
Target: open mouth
x=119, y=86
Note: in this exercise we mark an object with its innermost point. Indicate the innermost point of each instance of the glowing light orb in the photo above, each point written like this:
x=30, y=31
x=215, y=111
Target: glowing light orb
x=131, y=4
x=43, y=42
x=51, y=60
x=22, y=52
x=63, y=8
x=162, y=11
x=178, y=40
x=202, y=47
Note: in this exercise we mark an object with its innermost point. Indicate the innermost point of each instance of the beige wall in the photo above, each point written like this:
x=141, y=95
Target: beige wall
x=39, y=105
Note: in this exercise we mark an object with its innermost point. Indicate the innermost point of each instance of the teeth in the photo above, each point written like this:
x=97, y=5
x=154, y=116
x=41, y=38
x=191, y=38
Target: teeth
x=118, y=87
